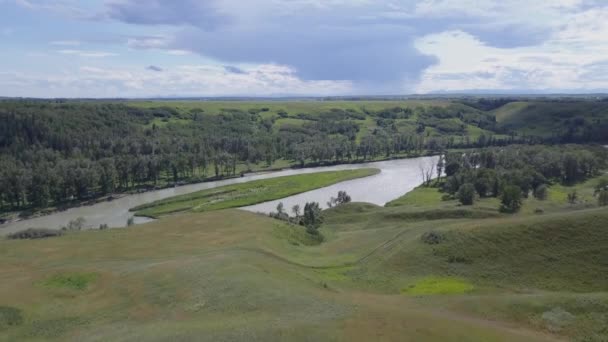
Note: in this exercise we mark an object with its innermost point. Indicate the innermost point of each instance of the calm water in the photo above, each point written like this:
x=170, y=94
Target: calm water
x=397, y=178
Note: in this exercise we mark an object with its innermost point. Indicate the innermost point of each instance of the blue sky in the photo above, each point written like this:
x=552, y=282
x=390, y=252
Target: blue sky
x=137, y=48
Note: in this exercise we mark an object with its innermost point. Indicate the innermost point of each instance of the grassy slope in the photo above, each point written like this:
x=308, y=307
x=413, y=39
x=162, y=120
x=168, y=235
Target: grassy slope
x=239, y=276
x=238, y=195
x=233, y=275
x=544, y=119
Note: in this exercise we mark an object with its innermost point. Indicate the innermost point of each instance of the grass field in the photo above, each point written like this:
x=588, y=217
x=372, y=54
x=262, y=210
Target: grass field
x=239, y=195
x=234, y=275
x=420, y=269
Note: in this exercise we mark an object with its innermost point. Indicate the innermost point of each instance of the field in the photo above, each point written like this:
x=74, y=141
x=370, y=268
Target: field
x=521, y=117
x=233, y=275
x=240, y=195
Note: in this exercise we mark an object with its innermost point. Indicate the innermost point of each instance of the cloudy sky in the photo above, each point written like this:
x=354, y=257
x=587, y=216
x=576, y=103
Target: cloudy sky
x=145, y=48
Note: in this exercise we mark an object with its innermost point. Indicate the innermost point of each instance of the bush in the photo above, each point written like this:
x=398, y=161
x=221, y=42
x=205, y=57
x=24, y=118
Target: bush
x=432, y=238
x=573, y=197
x=447, y=197
x=34, y=233
x=511, y=199
x=541, y=192
x=10, y=316
x=466, y=194
x=130, y=221
x=76, y=224
x=603, y=198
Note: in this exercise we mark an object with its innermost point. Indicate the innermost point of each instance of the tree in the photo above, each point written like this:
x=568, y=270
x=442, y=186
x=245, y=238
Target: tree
x=511, y=199
x=280, y=208
x=466, y=194
x=296, y=210
x=440, y=166
x=541, y=192
x=426, y=171
x=343, y=198
x=313, y=217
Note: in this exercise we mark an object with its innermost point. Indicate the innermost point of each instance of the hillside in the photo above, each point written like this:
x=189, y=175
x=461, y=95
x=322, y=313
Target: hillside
x=491, y=277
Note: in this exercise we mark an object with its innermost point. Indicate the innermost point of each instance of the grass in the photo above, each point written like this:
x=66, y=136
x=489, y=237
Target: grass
x=233, y=275
x=438, y=286
x=239, y=195
x=72, y=281
x=420, y=197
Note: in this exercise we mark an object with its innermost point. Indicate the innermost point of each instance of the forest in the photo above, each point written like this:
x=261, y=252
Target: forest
x=58, y=152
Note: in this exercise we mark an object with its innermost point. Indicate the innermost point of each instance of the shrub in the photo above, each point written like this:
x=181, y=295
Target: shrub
x=76, y=224
x=34, y=233
x=103, y=226
x=572, y=197
x=10, y=316
x=603, y=198
x=466, y=194
x=541, y=192
x=130, y=221
x=511, y=199
x=602, y=184
x=432, y=238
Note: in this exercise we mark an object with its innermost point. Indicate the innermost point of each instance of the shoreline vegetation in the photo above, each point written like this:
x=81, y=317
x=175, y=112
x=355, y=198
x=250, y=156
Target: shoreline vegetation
x=249, y=193
x=10, y=217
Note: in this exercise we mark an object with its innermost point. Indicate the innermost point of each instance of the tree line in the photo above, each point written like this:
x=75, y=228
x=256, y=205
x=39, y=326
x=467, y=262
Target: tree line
x=516, y=172
x=56, y=152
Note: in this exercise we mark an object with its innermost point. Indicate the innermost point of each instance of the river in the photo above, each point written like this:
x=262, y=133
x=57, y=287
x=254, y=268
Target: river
x=396, y=178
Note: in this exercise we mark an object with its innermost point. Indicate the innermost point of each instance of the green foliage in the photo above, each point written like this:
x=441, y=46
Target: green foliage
x=312, y=217
x=466, y=194
x=572, y=197
x=10, y=317
x=72, y=281
x=511, y=199
x=602, y=198
x=432, y=238
x=34, y=233
x=439, y=286
x=541, y=192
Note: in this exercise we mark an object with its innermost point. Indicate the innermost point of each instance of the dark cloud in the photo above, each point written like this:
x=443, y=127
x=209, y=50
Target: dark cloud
x=154, y=68
x=344, y=43
x=381, y=54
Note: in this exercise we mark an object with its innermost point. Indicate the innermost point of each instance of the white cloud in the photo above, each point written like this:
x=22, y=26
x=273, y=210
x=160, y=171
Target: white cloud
x=563, y=61
x=85, y=53
x=185, y=80
x=65, y=43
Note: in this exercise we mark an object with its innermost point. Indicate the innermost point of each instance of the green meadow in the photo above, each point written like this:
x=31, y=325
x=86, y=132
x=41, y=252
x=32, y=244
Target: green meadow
x=233, y=275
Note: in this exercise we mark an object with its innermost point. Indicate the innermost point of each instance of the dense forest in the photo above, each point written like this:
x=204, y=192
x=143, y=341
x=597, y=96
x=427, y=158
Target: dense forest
x=55, y=152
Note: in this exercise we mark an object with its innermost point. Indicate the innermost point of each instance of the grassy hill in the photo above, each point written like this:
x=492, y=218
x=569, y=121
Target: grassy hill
x=233, y=275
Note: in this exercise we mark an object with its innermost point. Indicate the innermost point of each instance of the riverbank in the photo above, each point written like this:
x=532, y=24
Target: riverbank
x=250, y=193
x=8, y=218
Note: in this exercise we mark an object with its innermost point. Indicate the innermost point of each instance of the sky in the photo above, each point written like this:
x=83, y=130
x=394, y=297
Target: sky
x=172, y=48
